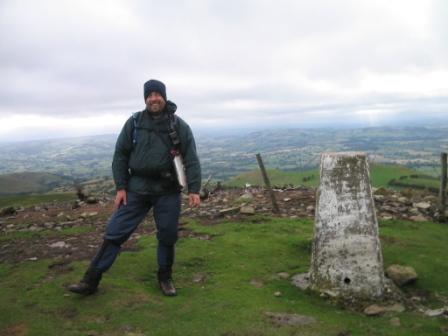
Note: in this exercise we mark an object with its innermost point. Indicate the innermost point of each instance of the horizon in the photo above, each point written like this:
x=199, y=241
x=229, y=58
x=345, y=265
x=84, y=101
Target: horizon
x=232, y=131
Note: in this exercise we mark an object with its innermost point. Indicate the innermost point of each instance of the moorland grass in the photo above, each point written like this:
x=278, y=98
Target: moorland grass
x=216, y=296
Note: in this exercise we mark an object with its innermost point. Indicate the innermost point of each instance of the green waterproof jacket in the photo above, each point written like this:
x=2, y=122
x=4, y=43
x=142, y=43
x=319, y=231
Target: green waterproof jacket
x=146, y=166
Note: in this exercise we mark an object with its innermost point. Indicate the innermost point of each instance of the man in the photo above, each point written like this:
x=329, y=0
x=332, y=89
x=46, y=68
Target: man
x=144, y=177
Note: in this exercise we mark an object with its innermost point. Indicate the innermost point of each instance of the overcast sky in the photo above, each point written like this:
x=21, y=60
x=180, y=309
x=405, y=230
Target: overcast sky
x=77, y=67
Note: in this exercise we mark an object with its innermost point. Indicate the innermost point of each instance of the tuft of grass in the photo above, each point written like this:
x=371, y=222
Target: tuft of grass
x=216, y=296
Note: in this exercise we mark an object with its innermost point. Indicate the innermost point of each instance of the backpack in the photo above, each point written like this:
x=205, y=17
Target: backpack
x=172, y=128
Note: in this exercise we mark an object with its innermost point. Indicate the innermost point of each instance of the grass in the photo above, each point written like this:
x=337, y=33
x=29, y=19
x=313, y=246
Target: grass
x=380, y=176
x=35, y=302
x=30, y=200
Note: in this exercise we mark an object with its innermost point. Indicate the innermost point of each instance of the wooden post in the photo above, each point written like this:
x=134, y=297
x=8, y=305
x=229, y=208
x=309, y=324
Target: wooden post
x=267, y=184
x=442, y=190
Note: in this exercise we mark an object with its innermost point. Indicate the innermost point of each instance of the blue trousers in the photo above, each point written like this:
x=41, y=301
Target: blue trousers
x=125, y=220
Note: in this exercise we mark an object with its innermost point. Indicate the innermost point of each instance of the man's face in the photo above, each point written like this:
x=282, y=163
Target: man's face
x=155, y=103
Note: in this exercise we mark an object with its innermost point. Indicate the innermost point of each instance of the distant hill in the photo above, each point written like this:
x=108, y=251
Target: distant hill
x=32, y=182
x=226, y=155
x=381, y=175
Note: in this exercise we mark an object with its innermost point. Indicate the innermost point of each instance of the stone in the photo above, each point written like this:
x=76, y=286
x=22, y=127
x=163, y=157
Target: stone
x=278, y=294
x=289, y=319
x=8, y=211
x=422, y=205
x=346, y=252
x=376, y=309
x=228, y=211
x=247, y=210
x=437, y=312
x=301, y=280
x=257, y=283
x=59, y=244
x=91, y=200
x=395, y=322
x=286, y=199
x=283, y=275
x=401, y=275
x=246, y=197
x=418, y=218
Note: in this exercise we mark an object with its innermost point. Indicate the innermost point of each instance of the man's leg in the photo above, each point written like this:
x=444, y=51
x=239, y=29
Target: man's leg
x=166, y=215
x=123, y=222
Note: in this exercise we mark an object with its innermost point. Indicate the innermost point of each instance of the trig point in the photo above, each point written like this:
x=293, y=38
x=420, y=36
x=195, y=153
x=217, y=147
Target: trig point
x=346, y=255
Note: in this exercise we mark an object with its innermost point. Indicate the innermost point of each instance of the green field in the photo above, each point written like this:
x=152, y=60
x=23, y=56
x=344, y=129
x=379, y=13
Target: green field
x=380, y=176
x=30, y=200
x=224, y=301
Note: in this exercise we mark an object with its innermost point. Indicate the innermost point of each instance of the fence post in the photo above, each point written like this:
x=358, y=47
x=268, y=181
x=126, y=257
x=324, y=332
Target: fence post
x=267, y=184
x=442, y=190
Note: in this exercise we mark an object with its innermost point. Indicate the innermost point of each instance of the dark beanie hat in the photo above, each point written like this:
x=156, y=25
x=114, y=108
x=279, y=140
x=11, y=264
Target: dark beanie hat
x=153, y=85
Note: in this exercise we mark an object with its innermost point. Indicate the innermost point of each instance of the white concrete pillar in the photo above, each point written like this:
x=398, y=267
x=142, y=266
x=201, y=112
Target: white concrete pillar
x=346, y=254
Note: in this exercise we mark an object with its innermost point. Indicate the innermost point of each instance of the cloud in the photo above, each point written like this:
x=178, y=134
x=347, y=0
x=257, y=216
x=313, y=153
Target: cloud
x=223, y=60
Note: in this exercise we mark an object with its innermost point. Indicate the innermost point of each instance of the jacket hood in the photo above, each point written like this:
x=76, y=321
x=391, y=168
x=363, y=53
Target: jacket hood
x=170, y=107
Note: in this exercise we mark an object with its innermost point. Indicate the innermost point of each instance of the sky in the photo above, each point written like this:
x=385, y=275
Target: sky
x=72, y=68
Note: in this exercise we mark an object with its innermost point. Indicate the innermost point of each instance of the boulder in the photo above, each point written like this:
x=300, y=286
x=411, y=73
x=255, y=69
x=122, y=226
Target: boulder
x=401, y=275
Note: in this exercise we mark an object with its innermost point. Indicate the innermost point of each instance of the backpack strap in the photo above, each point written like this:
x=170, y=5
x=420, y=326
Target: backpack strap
x=134, y=130
x=172, y=128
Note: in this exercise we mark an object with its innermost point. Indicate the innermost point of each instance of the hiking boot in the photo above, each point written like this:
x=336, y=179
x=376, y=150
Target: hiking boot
x=167, y=287
x=88, y=284
x=166, y=282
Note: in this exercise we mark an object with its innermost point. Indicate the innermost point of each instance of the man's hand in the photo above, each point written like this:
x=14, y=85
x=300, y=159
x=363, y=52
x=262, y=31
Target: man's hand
x=193, y=200
x=120, y=198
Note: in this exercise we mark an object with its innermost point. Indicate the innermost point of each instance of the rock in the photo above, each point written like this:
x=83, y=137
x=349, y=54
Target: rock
x=246, y=197
x=437, y=312
x=228, y=211
x=49, y=225
x=375, y=309
x=422, y=205
x=247, y=210
x=286, y=199
x=283, y=275
x=257, y=283
x=401, y=275
x=403, y=200
x=91, y=200
x=301, y=280
x=278, y=294
x=395, y=322
x=378, y=197
x=199, y=278
x=381, y=191
x=59, y=244
x=418, y=218
x=8, y=211
x=289, y=319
